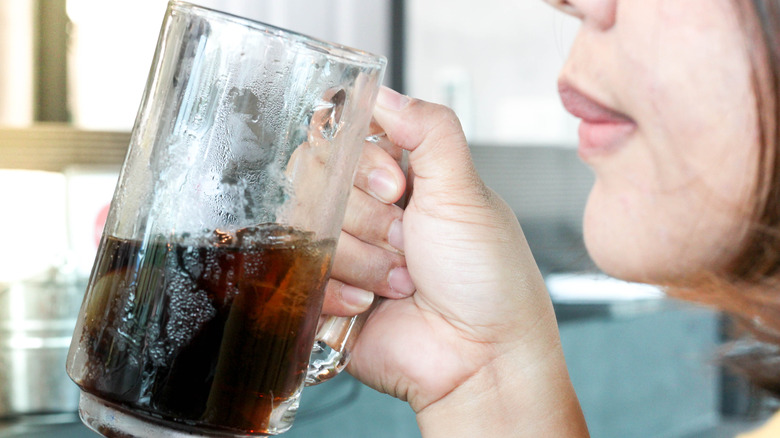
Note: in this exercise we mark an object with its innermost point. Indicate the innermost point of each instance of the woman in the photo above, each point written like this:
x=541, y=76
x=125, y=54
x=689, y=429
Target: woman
x=678, y=106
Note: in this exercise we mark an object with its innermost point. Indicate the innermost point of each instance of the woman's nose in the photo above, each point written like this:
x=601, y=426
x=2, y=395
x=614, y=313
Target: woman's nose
x=599, y=13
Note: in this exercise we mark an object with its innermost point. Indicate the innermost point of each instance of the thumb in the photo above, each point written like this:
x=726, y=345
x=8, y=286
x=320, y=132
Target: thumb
x=438, y=152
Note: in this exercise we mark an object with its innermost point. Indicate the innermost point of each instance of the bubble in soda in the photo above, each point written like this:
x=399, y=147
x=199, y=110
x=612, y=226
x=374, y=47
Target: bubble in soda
x=213, y=332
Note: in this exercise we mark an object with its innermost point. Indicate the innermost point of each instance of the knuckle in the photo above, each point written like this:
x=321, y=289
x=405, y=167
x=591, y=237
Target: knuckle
x=444, y=122
x=368, y=219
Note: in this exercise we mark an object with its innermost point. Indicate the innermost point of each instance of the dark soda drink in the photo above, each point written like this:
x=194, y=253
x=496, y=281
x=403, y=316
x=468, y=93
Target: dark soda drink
x=211, y=332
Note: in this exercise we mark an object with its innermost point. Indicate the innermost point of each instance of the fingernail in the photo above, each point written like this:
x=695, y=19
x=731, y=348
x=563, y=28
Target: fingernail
x=383, y=186
x=395, y=236
x=391, y=99
x=400, y=281
x=357, y=297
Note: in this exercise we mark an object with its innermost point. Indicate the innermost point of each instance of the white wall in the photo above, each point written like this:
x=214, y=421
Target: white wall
x=364, y=24
x=16, y=62
x=496, y=63
x=113, y=43
x=109, y=54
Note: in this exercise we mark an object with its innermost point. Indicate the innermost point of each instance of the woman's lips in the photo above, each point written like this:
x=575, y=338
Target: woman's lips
x=602, y=130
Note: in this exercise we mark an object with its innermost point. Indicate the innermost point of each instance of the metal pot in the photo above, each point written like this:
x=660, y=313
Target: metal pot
x=37, y=318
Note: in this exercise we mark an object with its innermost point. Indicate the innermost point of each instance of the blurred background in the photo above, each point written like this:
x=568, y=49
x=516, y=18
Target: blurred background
x=72, y=73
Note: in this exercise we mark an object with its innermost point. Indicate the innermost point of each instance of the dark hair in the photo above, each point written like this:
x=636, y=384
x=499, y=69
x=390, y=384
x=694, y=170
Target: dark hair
x=752, y=280
x=760, y=257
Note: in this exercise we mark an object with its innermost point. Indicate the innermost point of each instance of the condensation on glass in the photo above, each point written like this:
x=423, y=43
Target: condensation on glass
x=203, y=303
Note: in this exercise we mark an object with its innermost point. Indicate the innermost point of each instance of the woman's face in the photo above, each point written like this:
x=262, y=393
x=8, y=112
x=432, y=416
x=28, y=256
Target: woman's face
x=670, y=130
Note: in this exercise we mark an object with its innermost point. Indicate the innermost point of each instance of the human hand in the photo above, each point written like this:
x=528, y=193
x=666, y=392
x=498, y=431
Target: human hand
x=369, y=260
x=479, y=334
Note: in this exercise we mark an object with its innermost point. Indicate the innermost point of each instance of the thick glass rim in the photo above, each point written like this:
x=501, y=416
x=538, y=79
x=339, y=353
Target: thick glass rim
x=345, y=53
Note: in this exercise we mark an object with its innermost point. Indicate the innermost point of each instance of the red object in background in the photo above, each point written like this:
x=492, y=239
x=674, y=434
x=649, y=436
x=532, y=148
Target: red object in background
x=100, y=223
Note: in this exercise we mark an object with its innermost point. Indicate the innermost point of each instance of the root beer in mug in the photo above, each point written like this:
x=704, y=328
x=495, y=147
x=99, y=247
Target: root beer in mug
x=201, y=311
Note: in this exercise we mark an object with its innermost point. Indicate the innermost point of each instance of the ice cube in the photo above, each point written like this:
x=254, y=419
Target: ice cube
x=326, y=119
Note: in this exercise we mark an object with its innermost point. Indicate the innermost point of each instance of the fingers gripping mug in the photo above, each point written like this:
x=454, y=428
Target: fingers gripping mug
x=201, y=311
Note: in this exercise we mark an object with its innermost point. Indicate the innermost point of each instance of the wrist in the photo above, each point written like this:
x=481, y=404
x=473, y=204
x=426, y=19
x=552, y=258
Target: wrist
x=512, y=396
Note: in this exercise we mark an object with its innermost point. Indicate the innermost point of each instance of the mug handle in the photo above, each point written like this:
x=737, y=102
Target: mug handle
x=333, y=344
x=338, y=334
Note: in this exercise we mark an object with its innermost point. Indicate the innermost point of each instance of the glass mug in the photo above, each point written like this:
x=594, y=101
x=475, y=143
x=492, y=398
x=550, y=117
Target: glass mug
x=201, y=311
